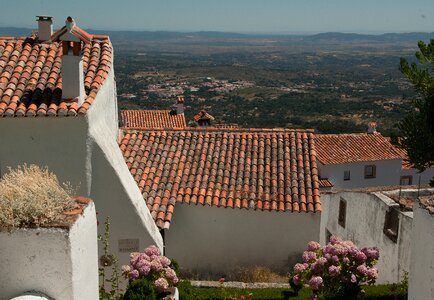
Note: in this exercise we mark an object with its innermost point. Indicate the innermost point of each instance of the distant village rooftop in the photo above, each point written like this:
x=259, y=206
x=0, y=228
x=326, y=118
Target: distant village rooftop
x=52, y=74
x=354, y=147
x=152, y=119
x=259, y=169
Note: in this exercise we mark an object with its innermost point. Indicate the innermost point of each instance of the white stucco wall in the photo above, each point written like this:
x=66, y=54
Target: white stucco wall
x=388, y=172
x=83, y=150
x=425, y=176
x=213, y=241
x=421, y=281
x=60, y=263
x=59, y=143
x=365, y=216
x=113, y=188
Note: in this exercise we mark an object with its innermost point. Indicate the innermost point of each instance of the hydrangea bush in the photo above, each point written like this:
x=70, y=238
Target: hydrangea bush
x=152, y=266
x=336, y=270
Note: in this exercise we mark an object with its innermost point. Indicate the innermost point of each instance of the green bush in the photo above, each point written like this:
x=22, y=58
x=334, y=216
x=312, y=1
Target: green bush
x=140, y=289
x=186, y=291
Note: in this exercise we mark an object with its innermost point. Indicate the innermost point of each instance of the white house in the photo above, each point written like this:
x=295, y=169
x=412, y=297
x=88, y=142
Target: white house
x=374, y=217
x=58, y=108
x=360, y=160
x=227, y=198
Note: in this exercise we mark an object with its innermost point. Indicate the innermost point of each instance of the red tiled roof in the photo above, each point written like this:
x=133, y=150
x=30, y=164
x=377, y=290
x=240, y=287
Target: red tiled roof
x=406, y=165
x=152, y=119
x=203, y=115
x=31, y=82
x=347, y=148
x=270, y=170
x=325, y=183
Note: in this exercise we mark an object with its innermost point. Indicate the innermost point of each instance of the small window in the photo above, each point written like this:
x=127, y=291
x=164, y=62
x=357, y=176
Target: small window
x=347, y=175
x=391, y=224
x=370, y=171
x=406, y=180
x=342, y=212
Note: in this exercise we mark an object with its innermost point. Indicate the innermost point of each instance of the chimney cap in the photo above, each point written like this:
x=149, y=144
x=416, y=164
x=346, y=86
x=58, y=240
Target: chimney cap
x=180, y=99
x=372, y=127
x=44, y=18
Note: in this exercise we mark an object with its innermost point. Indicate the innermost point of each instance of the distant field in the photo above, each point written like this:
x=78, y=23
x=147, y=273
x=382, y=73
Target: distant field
x=332, y=85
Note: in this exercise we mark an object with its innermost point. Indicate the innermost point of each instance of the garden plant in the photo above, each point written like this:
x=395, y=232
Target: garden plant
x=335, y=271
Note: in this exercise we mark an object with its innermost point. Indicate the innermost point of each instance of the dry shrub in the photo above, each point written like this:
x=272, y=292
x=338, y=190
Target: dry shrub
x=260, y=274
x=32, y=196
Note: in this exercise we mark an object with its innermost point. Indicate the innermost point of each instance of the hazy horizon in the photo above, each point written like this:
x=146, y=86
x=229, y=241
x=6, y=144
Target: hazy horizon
x=238, y=16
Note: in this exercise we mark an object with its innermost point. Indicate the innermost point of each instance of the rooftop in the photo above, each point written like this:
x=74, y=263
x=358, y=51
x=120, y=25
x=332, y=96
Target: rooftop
x=31, y=79
x=355, y=147
x=258, y=169
x=152, y=119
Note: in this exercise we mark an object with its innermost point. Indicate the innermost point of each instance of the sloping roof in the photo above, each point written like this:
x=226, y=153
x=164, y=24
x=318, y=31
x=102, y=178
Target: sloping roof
x=406, y=165
x=203, y=115
x=152, y=119
x=355, y=147
x=269, y=170
x=31, y=81
x=74, y=30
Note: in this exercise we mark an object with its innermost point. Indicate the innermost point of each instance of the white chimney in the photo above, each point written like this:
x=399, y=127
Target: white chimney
x=72, y=65
x=179, y=105
x=372, y=127
x=45, y=27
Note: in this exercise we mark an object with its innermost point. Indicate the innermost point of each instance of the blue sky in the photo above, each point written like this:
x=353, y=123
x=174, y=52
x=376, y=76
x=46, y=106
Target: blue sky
x=264, y=16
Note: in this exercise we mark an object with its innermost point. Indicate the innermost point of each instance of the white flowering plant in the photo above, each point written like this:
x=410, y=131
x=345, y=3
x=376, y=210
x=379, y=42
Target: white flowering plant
x=153, y=267
x=336, y=270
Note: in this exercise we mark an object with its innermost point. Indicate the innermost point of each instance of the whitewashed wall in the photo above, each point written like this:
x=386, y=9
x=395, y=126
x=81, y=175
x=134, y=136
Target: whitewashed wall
x=421, y=281
x=425, y=176
x=213, y=241
x=365, y=216
x=388, y=172
x=83, y=150
x=60, y=263
x=113, y=188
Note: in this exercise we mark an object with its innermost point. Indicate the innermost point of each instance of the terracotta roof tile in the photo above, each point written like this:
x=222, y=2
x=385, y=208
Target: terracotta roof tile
x=152, y=119
x=30, y=77
x=355, y=147
x=272, y=170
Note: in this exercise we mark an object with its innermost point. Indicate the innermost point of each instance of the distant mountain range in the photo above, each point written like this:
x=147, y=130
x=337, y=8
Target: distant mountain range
x=165, y=35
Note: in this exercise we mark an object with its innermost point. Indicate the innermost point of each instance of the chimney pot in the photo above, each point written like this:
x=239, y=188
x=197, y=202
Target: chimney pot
x=179, y=105
x=372, y=127
x=45, y=27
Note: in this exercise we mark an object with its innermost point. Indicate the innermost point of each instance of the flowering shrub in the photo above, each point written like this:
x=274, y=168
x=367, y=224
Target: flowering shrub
x=153, y=267
x=336, y=270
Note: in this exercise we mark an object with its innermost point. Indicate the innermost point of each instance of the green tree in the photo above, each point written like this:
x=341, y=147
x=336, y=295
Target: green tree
x=417, y=128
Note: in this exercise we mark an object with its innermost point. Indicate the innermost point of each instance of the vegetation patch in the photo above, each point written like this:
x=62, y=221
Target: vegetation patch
x=31, y=196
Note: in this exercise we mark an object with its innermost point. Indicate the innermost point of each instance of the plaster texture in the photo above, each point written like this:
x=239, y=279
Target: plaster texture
x=83, y=151
x=388, y=172
x=59, y=263
x=364, y=223
x=421, y=281
x=215, y=242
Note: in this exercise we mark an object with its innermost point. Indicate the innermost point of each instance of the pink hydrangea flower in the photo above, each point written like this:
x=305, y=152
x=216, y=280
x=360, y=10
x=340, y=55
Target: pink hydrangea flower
x=360, y=256
x=334, y=240
x=334, y=270
x=152, y=250
x=156, y=266
x=171, y=275
x=126, y=269
x=372, y=273
x=313, y=246
x=346, y=260
x=353, y=278
x=298, y=268
x=161, y=285
x=363, y=270
x=371, y=253
x=134, y=274
x=313, y=297
x=309, y=256
x=315, y=282
x=165, y=262
x=296, y=279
